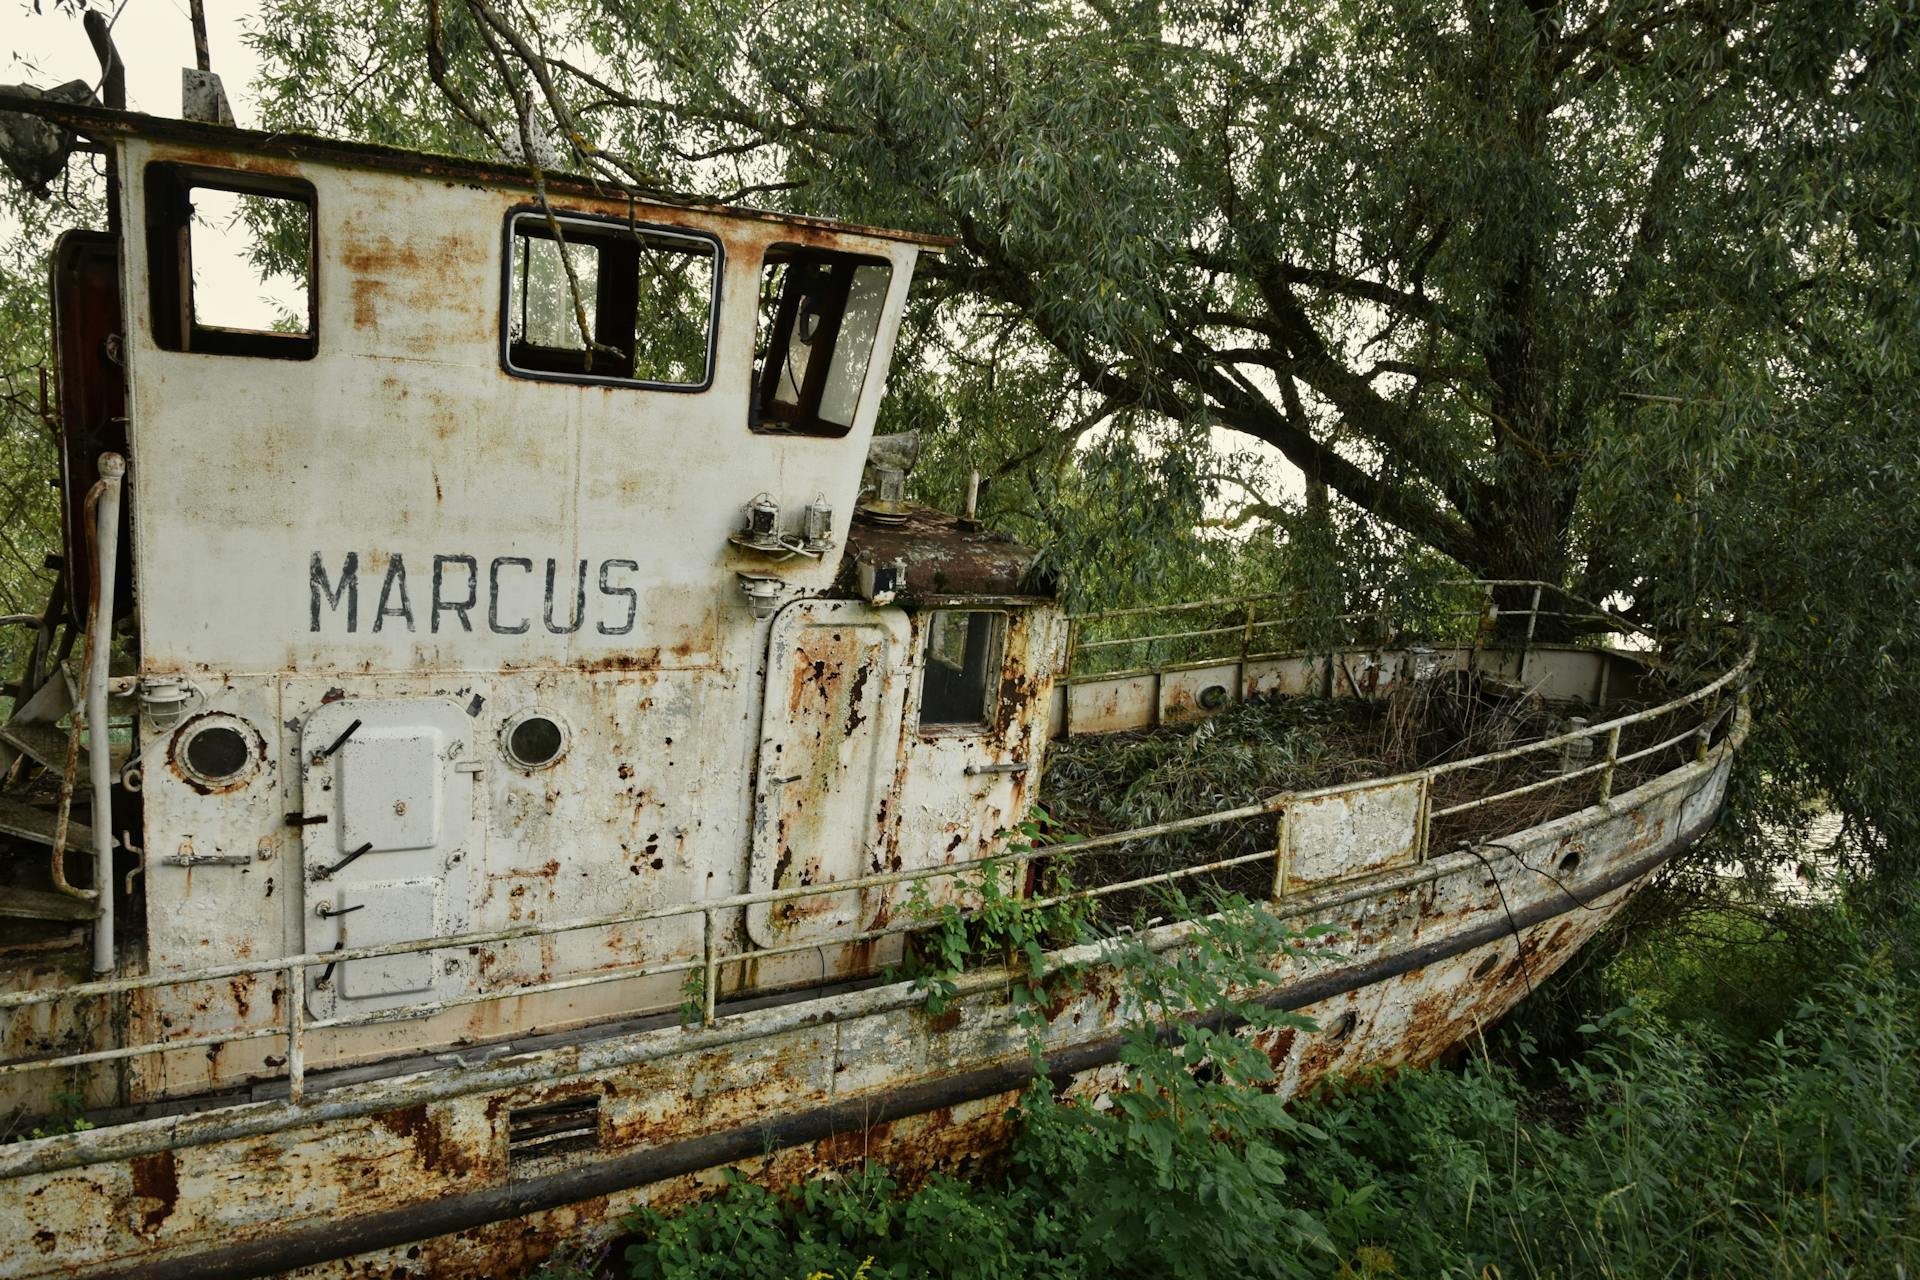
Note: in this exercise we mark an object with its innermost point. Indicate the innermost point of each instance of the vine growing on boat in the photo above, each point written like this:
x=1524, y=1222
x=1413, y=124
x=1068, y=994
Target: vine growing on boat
x=1003, y=925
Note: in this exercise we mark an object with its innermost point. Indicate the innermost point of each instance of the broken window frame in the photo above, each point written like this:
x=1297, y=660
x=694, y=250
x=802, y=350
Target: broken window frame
x=766, y=413
x=615, y=304
x=169, y=215
x=990, y=674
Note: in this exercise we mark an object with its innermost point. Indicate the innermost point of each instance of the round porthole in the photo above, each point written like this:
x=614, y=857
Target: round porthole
x=534, y=739
x=1343, y=1026
x=1213, y=697
x=1486, y=965
x=216, y=752
x=1570, y=863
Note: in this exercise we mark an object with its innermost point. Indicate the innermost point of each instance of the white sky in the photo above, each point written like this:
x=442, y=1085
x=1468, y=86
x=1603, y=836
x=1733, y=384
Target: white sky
x=155, y=40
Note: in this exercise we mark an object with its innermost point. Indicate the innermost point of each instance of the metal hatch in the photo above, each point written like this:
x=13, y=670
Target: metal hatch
x=388, y=787
x=829, y=743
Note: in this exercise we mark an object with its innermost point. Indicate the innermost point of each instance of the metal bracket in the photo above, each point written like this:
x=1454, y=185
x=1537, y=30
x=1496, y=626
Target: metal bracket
x=208, y=859
x=338, y=743
x=325, y=872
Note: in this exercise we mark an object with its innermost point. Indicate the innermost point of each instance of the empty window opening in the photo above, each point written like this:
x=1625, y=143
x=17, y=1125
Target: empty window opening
x=231, y=260
x=637, y=306
x=819, y=317
x=961, y=680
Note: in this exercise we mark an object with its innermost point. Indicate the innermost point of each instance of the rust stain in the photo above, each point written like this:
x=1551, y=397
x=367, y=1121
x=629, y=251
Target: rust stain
x=263, y=761
x=647, y=659
x=438, y=1153
x=156, y=1187
x=943, y=558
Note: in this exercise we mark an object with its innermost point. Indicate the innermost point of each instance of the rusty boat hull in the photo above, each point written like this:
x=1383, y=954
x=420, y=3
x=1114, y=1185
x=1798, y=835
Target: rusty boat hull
x=441, y=1171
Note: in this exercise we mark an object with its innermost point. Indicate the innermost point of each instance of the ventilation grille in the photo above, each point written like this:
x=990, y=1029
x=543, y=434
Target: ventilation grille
x=553, y=1128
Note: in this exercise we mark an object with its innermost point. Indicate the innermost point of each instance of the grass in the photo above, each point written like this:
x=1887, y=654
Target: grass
x=1670, y=1145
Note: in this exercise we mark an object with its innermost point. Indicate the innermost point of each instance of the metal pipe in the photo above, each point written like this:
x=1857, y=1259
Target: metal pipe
x=1613, y=759
x=99, y=736
x=296, y=1033
x=711, y=973
x=1533, y=620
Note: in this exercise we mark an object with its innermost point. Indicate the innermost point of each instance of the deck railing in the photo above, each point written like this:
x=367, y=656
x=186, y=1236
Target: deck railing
x=296, y=1029
x=1426, y=623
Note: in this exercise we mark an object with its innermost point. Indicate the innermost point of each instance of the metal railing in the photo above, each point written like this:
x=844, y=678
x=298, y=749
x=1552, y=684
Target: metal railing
x=297, y=1029
x=1485, y=614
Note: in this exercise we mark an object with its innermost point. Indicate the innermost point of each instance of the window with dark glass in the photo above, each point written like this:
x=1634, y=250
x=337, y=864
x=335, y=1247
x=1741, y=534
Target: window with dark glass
x=608, y=301
x=819, y=316
x=230, y=262
x=960, y=680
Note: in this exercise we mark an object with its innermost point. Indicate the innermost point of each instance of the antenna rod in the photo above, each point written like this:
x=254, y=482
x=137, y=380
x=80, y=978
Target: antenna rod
x=198, y=12
x=113, y=72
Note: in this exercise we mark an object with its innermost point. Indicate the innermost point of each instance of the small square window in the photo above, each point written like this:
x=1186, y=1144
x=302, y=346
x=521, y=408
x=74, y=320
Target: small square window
x=231, y=257
x=639, y=308
x=960, y=682
x=819, y=317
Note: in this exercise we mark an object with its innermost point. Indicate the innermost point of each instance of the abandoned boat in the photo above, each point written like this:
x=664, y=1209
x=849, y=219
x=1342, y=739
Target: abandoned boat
x=498, y=767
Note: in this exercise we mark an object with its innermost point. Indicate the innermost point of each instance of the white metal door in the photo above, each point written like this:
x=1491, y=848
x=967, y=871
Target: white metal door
x=388, y=787
x=829, y=742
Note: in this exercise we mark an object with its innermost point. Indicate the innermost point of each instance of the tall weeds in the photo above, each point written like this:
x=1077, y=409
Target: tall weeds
x=1663, y=1149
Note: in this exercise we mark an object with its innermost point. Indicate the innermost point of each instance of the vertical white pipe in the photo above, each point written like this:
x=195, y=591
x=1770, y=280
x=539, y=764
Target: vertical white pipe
x=99, y=738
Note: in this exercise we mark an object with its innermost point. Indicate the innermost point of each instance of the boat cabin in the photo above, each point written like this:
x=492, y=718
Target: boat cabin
x=520, y=564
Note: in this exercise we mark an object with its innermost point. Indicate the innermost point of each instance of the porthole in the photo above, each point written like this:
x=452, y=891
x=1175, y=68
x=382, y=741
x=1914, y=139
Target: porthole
x=534, y=739
x=1343, y=1026
x=1213, y=697
x=216, y=752
x=1486, y=965
x=1570, y=863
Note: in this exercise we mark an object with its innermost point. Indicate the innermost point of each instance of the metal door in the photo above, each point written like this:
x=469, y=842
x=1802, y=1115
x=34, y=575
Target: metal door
x=388, y=840
x=829, y=742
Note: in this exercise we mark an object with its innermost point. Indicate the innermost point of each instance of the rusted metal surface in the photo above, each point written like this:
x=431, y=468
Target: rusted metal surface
x=1117, y=701
x=1351, y=831
x=944, y=558
x=1423, y=956
x=390, y=447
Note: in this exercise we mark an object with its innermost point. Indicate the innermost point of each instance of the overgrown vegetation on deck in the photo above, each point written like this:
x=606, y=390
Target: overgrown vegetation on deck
x=1140, y=779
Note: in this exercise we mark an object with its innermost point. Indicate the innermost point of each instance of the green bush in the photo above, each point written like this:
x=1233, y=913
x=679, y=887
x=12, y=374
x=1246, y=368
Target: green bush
x=1664, y=1149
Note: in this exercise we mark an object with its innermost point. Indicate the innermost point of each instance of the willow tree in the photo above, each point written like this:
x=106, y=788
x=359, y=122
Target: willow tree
x=1428, y=252
x=1619, y=294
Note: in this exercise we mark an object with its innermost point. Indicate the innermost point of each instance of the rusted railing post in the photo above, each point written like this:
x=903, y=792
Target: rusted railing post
x=1489, y=615
x=296, y=1025
x=1280, y=857
x=1613, y=759
x=1526, y=645
x=709, y=950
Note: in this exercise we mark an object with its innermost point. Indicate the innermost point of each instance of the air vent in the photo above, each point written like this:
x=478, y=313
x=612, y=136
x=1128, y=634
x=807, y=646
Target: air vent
x=553, y=1129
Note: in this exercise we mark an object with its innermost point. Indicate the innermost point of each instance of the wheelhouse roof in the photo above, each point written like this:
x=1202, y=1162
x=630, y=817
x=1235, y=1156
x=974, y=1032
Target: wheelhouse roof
x=101, y=124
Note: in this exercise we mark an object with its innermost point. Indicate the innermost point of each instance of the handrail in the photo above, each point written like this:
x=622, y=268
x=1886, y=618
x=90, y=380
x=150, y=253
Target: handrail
x=709, y=961
x=1078, y=623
